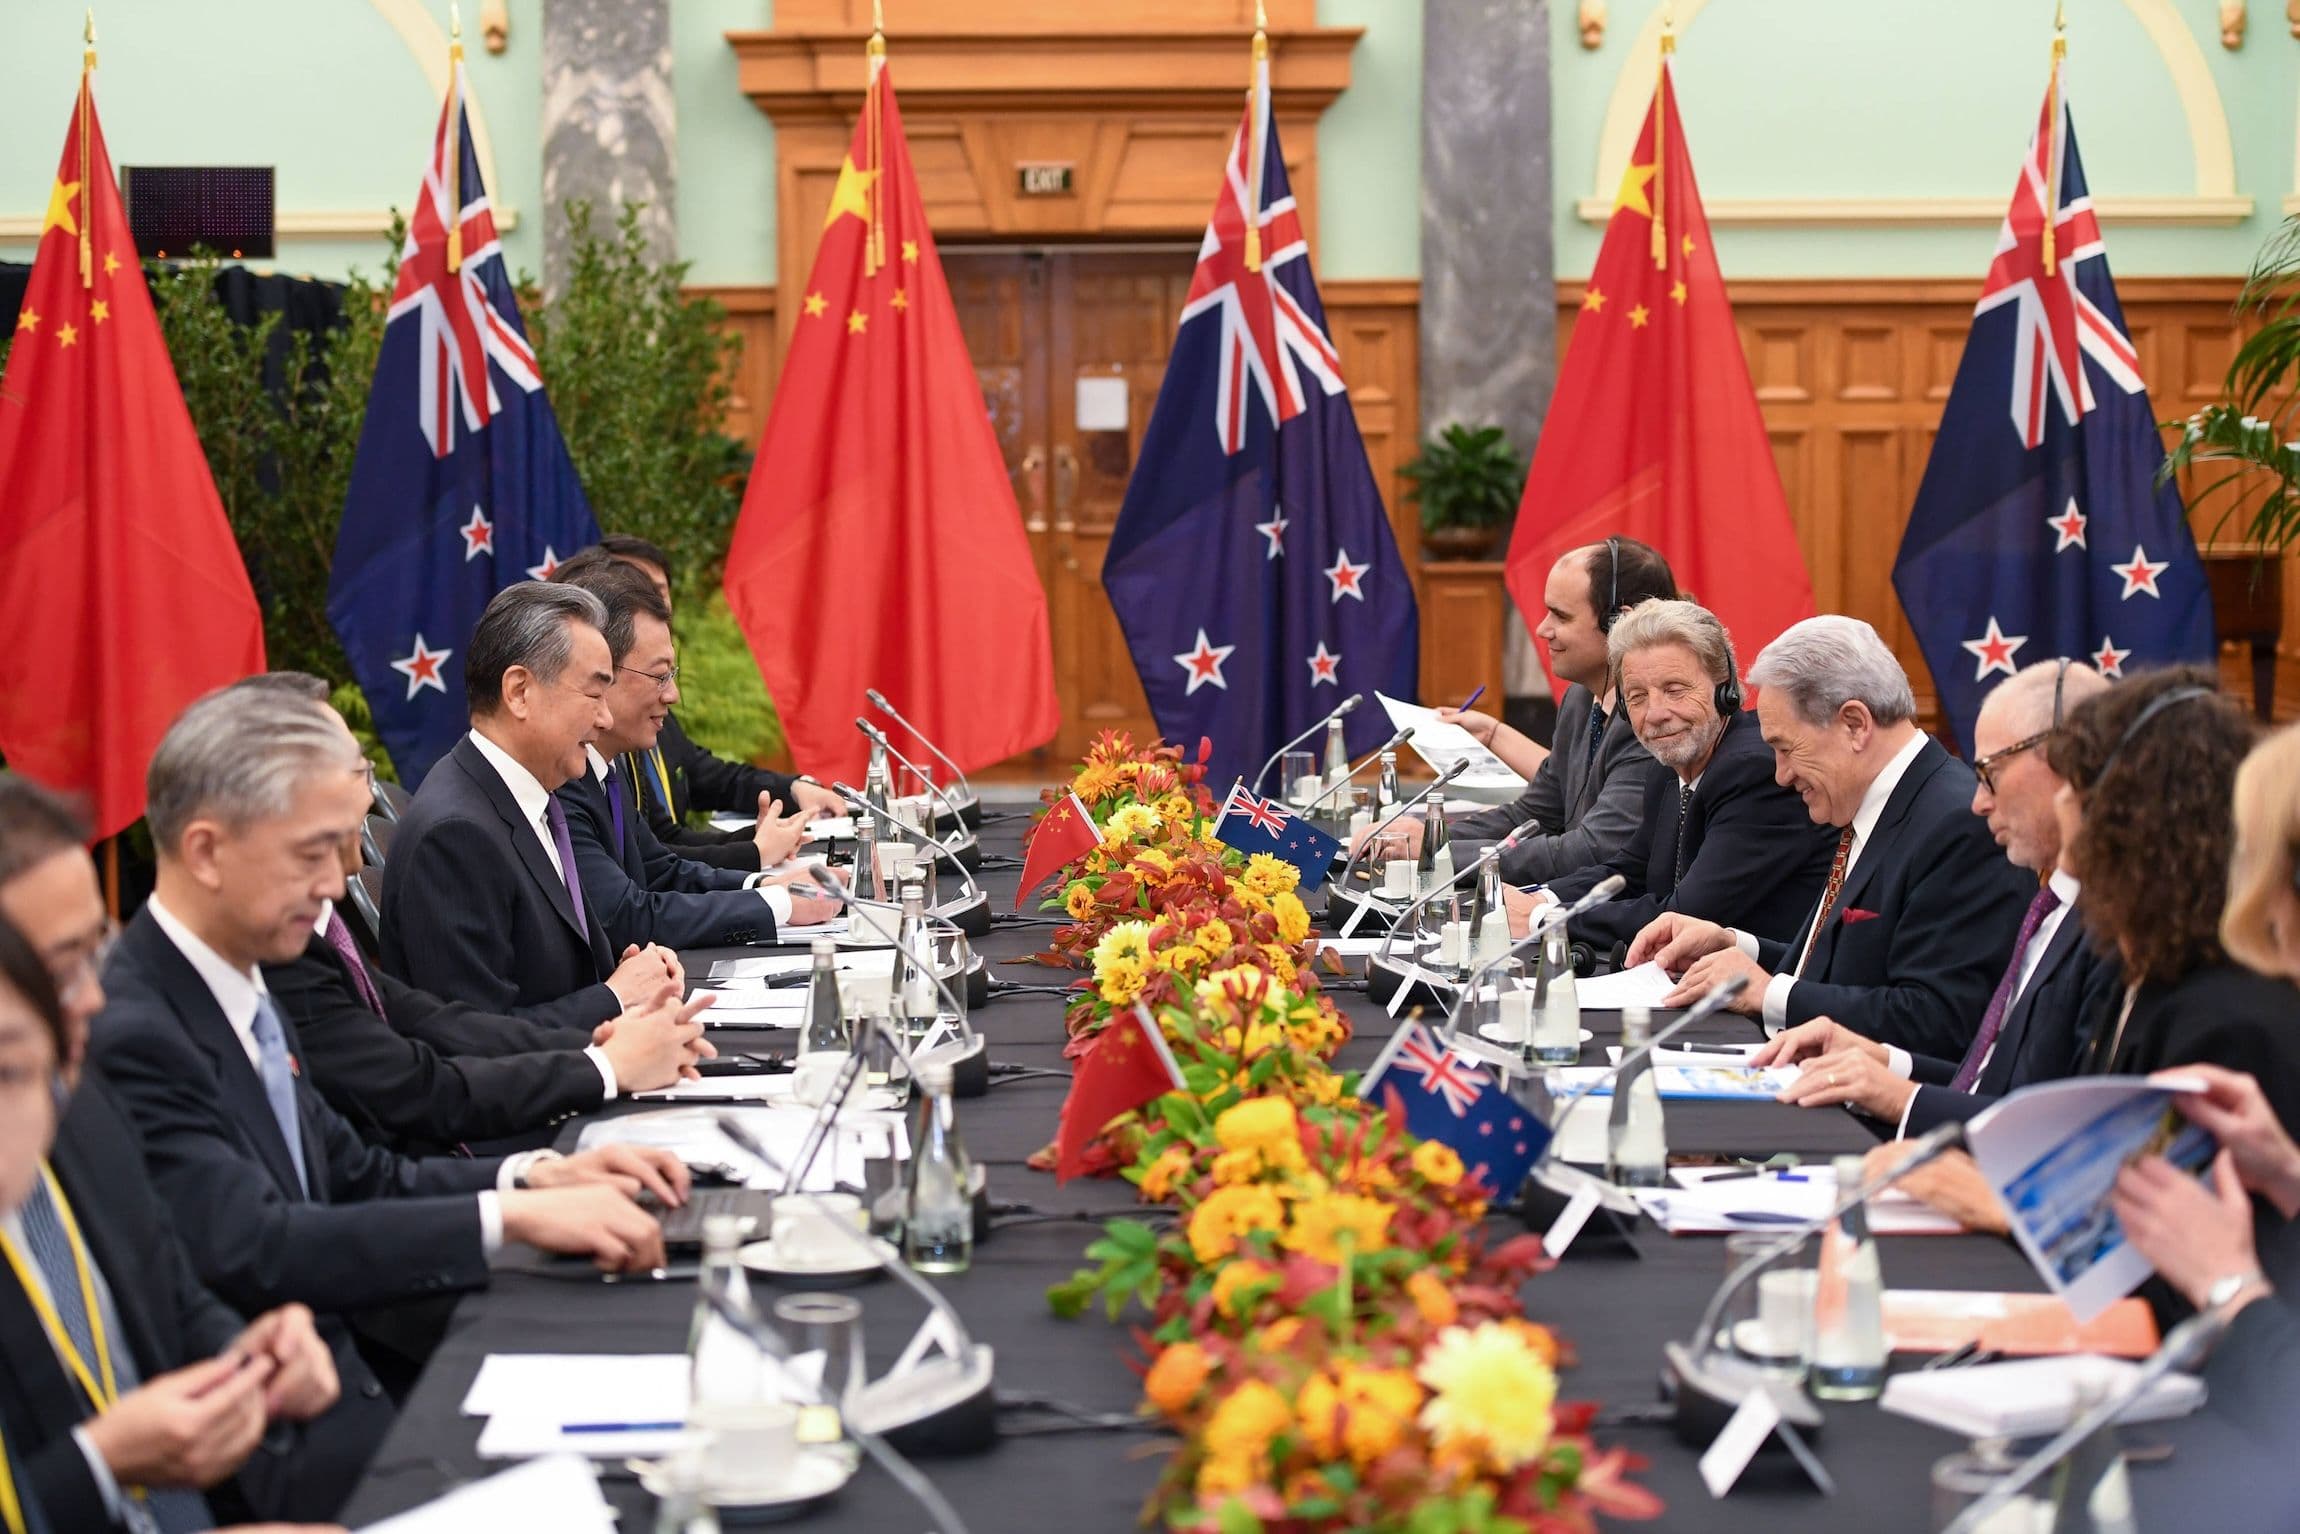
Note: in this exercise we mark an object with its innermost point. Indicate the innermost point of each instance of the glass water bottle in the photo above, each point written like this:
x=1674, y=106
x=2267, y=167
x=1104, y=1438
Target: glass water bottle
x=826, y=1030
x=938, y=1215
x=1337, y=760
x=1557, y=1006
x=1386, y=796
x=1849, y=1304
x=1636, y=1143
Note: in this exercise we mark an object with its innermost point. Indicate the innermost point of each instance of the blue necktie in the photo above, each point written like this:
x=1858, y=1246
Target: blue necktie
x=175, y=1510
x=279, y=1083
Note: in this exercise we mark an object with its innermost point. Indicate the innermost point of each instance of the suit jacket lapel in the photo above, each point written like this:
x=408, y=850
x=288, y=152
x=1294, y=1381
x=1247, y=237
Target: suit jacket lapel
x=79, y=1179
x=51, y=1402
x=1874, y=850
x=526, y=839
x=205, y=1023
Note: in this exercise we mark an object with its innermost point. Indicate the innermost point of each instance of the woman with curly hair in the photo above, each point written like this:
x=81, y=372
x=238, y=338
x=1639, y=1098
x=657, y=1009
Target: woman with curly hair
x=2150, y=767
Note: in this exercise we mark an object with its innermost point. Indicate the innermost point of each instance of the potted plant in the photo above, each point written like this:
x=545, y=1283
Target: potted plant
x=2253, y=431
x=1467, y=481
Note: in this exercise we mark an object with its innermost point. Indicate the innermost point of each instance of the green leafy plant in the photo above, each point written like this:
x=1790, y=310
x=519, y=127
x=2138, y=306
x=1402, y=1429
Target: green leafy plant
x=1466, y=476
x=2254, y=431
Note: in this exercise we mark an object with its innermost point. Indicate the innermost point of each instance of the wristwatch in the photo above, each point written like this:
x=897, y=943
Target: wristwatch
x=2228, y=1286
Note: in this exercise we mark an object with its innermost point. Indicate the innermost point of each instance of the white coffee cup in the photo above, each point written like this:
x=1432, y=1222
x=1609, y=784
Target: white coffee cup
x=815, y=1074
x=1398, y=877
x=753, y=1442
x=805, y=1230
x=1517, y=1016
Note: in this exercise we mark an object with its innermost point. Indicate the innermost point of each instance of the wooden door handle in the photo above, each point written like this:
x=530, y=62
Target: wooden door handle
x=1033, y=464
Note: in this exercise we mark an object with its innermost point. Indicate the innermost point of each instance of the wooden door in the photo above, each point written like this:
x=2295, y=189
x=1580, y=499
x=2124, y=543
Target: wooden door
x=1071, y=347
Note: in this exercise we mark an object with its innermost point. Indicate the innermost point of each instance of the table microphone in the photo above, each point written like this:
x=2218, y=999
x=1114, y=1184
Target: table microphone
x=1341, y=710
x=966, y=796
x=968, y=1058
x=2181, y=1347
x=1600, y=892
x=924, y=1405
x=1404, y=732
x=1705, y=1387
x=1340, y=886
x=878, y=737
x=970, y=912
x=1413, y=970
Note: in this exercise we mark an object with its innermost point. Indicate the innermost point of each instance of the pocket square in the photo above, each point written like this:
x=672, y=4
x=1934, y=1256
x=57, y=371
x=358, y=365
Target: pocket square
x=1854, y=913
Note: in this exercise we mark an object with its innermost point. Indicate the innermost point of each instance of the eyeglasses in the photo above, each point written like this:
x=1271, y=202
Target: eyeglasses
x=1986, y=767
x=77, y=967
x=664, y=680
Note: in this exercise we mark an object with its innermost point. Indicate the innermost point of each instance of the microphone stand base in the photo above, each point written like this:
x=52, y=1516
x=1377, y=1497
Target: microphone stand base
x=1342, y=904
x=1708, y=1388
x=1542, y=1200
x=970, y=914
x=944, y=1406
x=969, y=1062
x=1422, y=989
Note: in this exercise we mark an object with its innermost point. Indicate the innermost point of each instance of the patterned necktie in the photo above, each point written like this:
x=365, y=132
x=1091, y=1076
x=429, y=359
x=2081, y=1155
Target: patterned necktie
x=173, y=1511
x=279, y=1083
x=1684, y=809
x=1993, y=1021
x=1829, y=896
x=555, y=814
x=339, y=938
x=615, y=806
x=1596, y=733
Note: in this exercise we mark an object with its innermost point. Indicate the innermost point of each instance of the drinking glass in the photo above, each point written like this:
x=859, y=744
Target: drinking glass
x=1298, y=775
x=832, y=1325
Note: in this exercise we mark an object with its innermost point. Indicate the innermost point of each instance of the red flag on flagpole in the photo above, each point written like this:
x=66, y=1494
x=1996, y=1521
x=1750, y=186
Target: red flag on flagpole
x=1654, y=431
x=879, y=543
x=1064, y=833
x=1128, y=1066
x=122, y=593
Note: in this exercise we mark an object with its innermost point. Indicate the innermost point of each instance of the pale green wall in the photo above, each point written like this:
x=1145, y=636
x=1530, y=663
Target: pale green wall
x=1782, y=98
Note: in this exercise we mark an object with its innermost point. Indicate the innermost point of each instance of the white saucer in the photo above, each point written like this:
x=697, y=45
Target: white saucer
x=761, y=1258
x=1503, y=1033
x=815, y=1473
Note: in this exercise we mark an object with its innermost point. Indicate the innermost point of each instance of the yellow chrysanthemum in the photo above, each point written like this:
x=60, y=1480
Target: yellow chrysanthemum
x=1251, y=900
x=1491, y=1391
x=1214, y=939
x=1293, y=917
x=1133, y=822
x=1121, y=981
x=1436, y=1162
x=1229, y=1213
x=1256, y=1122
x=1234, y=1279
x=1154, y=859
x=1126, y=940
x=1177, y=806
x=1078, y=900
x=1361, y=1412
x=1233, y=1167
x=1321, y=1226
x=1270, y=875
x=1432, y=1299
x=1158, y=1178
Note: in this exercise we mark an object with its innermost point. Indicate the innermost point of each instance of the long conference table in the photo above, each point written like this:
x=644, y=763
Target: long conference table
x=1612, y=1308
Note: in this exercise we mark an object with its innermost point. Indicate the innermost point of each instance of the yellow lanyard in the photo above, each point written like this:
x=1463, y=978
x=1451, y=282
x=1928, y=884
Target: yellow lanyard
x=11, y=1506
x=100, y=1394
x=662, y=776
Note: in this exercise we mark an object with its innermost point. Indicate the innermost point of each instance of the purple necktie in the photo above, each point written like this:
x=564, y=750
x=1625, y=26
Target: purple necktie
x=615, y=804
x=339, y=939
x=556, y=814
x=1993, y=1021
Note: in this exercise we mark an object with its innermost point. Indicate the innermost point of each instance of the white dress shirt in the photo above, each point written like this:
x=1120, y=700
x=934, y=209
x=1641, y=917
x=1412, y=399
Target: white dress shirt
x=778, y=899
x=1865, y=818
x=238, y=992
x=2065, y=886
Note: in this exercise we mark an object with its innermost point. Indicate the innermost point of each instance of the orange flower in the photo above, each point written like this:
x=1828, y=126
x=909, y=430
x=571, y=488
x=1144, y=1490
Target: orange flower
x=1237, y=1275
x=1432, y=1299
x=1158, y=1179
x=1229, y=1213
x=1175, y=1379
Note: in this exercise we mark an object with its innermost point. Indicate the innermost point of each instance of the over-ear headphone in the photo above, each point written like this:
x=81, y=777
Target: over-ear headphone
x=2156, y=706
x=1612, y=608
x=1729, y=690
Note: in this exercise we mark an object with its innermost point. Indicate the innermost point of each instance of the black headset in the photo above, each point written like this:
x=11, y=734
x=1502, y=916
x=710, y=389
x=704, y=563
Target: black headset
x=2156, y=706
x=1612, y=609
x=1729, y=690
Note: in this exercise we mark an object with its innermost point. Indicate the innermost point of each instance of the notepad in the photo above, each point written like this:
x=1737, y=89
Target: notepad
x=2030, y=1397
x=560, y=1492
x=1703, y=1205
x=1647, y=983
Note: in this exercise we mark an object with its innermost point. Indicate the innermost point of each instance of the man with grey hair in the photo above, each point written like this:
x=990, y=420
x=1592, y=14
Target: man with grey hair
x=1717, y=837
x=1919, y=911
x=2055, y=990
x=482, y=900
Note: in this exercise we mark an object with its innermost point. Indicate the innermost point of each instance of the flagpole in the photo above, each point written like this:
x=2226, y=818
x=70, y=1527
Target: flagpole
x=874, y=239
x=87, y=110
x=1661, y=134
x=454, y=219
x=1258, y=130
x=2052, y=99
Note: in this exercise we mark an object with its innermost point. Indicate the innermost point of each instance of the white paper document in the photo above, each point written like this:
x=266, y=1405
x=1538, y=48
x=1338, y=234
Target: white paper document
x=2031, y=1397
x=1708, y=1080
x=753, y=1007
x=582, y=1387
x=693, y=1135
x=1442, y=744
x=1647, y=983
x=560, y=1493
x=1716, y=1200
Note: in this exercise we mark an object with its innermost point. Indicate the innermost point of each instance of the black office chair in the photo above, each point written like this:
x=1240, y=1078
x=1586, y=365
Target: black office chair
x=363, y=911
x=376, y=835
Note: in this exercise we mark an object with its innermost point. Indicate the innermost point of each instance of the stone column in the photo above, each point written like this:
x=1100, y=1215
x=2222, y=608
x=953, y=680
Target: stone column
x=610, y=127
x=1489, y=288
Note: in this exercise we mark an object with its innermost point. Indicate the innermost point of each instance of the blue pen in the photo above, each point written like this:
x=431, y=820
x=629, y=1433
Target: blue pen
x=1764, y=1217
x=1472, y=698
x=622, y=1427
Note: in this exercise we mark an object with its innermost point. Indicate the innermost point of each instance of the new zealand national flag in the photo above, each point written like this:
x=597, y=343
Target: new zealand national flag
x=1252, y=567
x=2039, y=531
x=1453, y=1099
x=1252, y=825
x=461, y=484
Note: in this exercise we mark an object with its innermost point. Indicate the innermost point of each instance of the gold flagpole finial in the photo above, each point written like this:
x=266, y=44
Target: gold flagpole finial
x=1256, y=129
x=454, y=136
x=88, y=41
x=1668, y=27
x=87, y=128
x=2052, y=116
x=454, y=30
x=877, y=44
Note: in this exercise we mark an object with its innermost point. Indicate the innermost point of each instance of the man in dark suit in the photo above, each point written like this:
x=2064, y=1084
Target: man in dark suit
x=675, y=776
x=1920, y=909
x=251, y=796
x=1587, y=794
x=1718, y=837
x=640, y=890
x=481, y=897
x=249, y=1414
x=2056, y=991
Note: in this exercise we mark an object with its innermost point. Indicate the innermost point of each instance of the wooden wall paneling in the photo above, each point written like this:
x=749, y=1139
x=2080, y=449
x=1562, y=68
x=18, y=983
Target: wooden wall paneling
x=750, y=317
x=1463, y=607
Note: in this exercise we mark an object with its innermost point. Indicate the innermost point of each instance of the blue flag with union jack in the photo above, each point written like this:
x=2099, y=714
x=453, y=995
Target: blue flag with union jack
x=2039, y=531
x=1453, y=1099
x=1253, y=825
x=1252, y=566
x=462, y=484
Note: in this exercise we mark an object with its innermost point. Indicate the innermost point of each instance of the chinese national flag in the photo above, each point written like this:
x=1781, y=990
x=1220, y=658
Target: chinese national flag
x=122, y=593
x=1063, y=834
x=879, y=544
x=1128, y=1066
x=1654, y=432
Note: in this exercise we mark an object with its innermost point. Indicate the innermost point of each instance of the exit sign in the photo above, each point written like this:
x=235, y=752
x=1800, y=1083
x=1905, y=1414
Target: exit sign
x=1051, y=179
